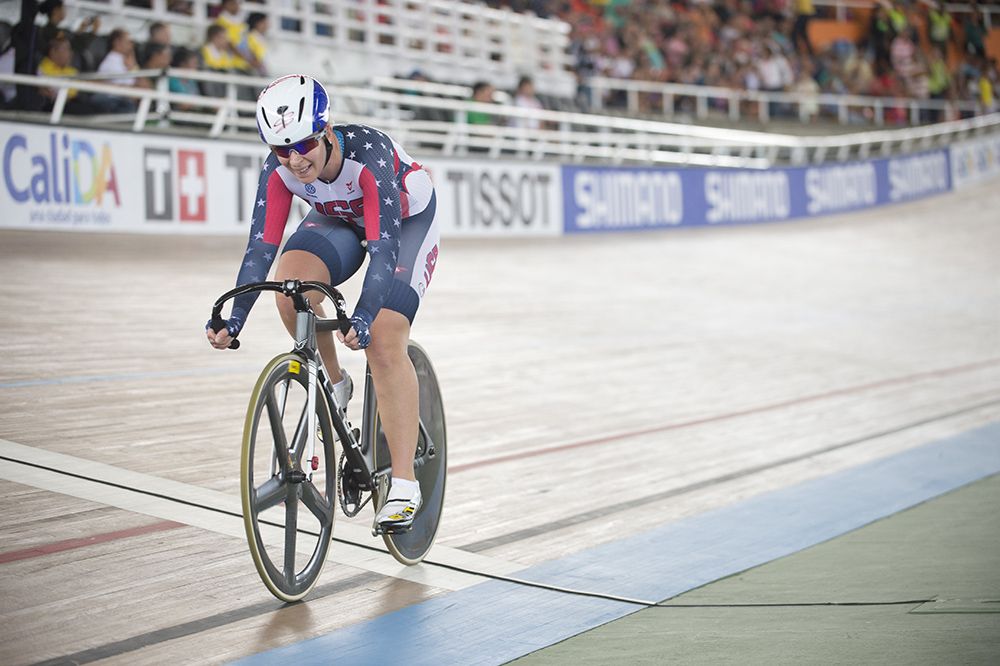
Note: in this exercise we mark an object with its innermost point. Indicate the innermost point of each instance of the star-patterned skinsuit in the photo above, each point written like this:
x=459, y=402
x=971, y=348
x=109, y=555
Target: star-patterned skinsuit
x=378, y=192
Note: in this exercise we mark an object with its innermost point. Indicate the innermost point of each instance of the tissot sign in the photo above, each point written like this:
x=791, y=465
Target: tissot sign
x=489, y=198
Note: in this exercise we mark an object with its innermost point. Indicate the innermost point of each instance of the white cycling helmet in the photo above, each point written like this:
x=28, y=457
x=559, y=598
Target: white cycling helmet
x=292, y=109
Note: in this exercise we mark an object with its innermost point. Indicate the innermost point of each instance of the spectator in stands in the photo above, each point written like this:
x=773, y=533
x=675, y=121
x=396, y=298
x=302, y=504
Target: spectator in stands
x=80, y=41
x=55, y=13
x=159, y=34
x=257, y=26
x=231, y=19
x=880, y=37
x=216, y=53
x=57, y=62
x=896, y=113
x=987, y=85
x=525, y=98
x=184, y=59
x=120, y=59
x=975, y=34
x=804, y=13
x=858, y=73
x=903, y=53
x=188, y=60
x=938, y=81
x=940, y=27
x=918, y=85
x=806, y=86
x=775, y=74
x=897, y=16
x=158, y=56
x=481, y=92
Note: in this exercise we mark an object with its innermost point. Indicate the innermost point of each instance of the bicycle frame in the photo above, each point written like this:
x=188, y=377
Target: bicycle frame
x=306, y=326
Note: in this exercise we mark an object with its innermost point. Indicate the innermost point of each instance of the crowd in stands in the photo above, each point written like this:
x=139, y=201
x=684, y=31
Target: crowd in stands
x=909, y=49
x=235, y=42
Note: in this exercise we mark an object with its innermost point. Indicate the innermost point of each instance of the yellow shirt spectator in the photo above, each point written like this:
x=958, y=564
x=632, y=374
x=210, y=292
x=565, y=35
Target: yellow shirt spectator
x=257, y=46
x=216, y=53
x=986, y=92
x=236, y=33
x=216, y=59
x=49, y=68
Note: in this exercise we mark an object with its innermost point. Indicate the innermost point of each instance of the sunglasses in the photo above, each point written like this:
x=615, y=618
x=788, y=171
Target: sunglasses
x=302, y=147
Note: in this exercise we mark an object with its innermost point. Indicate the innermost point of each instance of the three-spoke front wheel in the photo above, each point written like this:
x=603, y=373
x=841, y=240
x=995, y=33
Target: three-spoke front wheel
x=288, y=506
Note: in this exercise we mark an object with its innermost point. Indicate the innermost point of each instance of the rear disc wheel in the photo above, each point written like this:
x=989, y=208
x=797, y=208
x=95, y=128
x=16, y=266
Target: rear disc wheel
x=430, y=464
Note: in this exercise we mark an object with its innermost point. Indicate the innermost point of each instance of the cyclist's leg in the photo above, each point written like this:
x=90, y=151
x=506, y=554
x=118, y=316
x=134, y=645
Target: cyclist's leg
x=395, y=379
x=323, y=250
x=395, y=388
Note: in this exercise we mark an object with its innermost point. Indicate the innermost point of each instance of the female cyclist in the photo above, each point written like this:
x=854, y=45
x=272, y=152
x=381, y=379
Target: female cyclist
x=367, y=195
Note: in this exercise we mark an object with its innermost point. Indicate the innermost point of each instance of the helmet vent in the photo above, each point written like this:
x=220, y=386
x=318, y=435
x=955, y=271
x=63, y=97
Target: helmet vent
x=302, y=106
x=263, y=115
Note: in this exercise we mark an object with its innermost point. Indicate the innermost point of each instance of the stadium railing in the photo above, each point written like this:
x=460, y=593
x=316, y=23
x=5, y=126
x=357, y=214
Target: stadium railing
x=563, y=136
x=730, y=103
x=446, y=38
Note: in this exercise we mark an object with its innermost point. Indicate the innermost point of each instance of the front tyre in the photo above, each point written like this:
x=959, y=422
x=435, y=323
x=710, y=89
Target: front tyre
x=288, y=545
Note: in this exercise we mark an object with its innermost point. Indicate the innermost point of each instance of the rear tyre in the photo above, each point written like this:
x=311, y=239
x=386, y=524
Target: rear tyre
x=431, y=464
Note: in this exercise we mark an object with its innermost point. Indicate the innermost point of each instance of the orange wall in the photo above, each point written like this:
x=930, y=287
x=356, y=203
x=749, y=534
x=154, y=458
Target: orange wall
x=823, y=32
x=993, y=43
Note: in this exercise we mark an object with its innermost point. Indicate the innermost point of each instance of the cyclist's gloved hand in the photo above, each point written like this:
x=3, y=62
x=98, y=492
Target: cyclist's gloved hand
x=361, y=323
x=359, y=337
x=222, y=338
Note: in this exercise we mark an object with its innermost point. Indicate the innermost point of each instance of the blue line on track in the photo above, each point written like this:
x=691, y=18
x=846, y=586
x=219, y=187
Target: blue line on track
x=129, y=376
x=495, y=622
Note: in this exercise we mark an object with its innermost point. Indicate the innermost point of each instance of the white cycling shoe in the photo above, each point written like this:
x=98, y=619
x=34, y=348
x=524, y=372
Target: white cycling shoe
x=398, y=512
x=343, y=390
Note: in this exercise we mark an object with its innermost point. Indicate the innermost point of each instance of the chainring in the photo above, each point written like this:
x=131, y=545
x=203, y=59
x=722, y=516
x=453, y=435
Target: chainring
x=356, y=493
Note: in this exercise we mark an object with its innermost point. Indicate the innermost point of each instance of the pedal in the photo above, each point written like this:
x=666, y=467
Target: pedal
x=378, y=530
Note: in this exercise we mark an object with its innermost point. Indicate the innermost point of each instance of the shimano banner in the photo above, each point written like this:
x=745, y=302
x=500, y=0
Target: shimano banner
x=612, y=199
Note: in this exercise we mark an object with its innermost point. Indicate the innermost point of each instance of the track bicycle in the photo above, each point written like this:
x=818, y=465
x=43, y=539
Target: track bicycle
x=289, y=459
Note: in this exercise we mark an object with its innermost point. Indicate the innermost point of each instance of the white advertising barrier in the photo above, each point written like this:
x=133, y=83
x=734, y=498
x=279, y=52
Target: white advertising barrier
x=67, y=178
x=975, y=161
x=492, y=198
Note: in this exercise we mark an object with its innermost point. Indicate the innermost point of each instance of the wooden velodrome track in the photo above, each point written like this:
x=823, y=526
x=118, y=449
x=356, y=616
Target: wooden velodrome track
x=594, y=387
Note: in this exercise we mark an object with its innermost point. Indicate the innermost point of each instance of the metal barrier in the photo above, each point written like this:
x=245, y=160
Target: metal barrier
x=565, y=137
x=447, y=38
x=731, y=103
